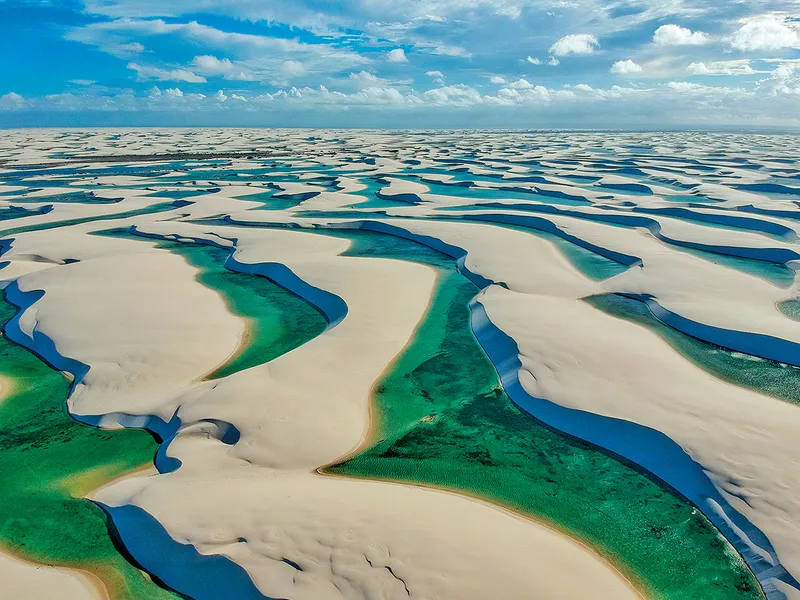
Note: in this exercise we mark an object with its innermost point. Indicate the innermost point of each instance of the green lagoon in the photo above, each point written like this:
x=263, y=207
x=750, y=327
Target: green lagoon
x=50, y=461
x=443, y=420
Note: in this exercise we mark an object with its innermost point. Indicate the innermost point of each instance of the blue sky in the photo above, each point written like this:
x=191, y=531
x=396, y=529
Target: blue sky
x=393, y=63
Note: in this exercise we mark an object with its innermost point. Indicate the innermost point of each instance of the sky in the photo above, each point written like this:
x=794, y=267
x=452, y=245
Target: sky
x=641, y=64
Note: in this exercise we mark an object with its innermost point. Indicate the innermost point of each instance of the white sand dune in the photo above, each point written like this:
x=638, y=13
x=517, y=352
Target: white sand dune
x=348, y=519
x=581, y=358
x=356, y=539
x=106, y=311
x=22, y=580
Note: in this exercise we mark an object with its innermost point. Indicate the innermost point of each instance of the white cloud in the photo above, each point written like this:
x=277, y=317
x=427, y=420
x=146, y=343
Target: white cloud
x=519, y=94
x=144, y=73
x=132, y=48
x=83, y=81
x=766, y=32
x=220, y=96
x=169, y=97
x=511, y=11
x=625, y=67
x=520, y=84
x=553, y=61
x=109, y=36
x=453, y=95
x=680, y=100
x=723, y=67
x=293, y=68
x=398, y=55
x=11, y=100
x=686, y=87
x=437, y=76
x=364, y=78
x=575, y=43
x=496, y=79
x=783, y=81
x=675, y=35
x=533, y=61
x=211, y=65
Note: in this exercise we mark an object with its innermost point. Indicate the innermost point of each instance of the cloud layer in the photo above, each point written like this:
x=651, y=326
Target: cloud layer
x=717, y=62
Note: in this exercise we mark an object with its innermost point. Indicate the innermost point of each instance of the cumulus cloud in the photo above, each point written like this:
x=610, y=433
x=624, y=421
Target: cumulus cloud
x=496, y=79
x=364, y=78
x=437, y=76
x=625, y=67
x=783, y=81
x=553, y=61
x=453, y=95
x=172, y=97
x=675, y=35
x=11, y=100
x=293, y=68
x=398, y=55
x=575, y=43
x=766, y=32
x=211, y=65
x=533, y=61
x=520, y=94
x=679, y=99
x=144, y=73
x=520, y=84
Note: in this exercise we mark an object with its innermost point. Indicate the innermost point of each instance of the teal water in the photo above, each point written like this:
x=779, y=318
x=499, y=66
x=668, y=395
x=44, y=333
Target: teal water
x=270, y=202
x=779, y=275
x=72, y=198
x=790, y=308
x=181, y=194
x=442, y=419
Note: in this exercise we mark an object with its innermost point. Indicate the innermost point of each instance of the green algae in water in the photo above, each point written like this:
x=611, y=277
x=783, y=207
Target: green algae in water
x=278, y=321
x=443, y=419
x=758, y=374
x=72, y=198
x=790, y=308
x=17, y=212
x=49, y=457
x=46, y=457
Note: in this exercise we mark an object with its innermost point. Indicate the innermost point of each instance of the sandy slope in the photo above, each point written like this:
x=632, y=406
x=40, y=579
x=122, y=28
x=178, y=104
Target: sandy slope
x=293, y=420
x=22, y=581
